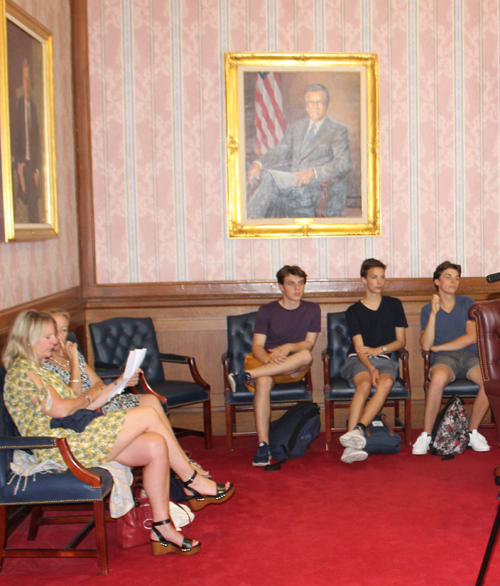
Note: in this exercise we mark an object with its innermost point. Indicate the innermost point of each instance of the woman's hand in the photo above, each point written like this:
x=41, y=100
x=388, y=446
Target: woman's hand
x=134, y=379
x=70, y=349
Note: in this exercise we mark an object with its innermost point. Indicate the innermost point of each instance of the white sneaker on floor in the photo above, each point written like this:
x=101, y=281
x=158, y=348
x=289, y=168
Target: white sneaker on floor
x=421, y=446
x=478, y=442
x=353, y=439
x=351, y=455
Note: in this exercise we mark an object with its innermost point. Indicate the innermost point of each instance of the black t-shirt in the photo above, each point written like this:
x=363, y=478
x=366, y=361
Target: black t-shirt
x=378, y=328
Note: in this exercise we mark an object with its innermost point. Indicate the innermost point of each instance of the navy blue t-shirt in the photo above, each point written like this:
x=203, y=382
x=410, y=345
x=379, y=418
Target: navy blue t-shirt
x=449, y=326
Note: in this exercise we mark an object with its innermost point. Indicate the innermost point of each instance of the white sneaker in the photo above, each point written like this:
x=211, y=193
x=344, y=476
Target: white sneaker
x=353, y=439
x=351, y=455
x=478, y=442
x=421, y=446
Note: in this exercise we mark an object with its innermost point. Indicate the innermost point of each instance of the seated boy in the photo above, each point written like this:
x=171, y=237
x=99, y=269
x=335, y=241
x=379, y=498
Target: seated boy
x=377, y=327
x=284, y=335
x=450, y=335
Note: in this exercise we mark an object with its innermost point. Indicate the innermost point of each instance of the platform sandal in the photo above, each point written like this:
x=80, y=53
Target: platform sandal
x=201, y=470
x=199, y=501
x=163, y=546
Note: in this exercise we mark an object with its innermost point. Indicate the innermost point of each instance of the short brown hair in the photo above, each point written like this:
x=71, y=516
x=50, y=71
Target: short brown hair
x=290, y=270
x=442, y=268
x=370, y=263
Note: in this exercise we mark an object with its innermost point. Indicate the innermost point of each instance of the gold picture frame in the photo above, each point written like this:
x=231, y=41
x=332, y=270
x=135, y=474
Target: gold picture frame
x=333, y=189
x=27, y=128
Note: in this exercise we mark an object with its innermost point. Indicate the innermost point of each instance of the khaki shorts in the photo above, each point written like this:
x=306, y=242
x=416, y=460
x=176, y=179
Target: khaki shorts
x=251, y=362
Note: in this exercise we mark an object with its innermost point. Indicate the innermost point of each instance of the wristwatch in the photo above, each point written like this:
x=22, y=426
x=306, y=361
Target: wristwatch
x=384, y=348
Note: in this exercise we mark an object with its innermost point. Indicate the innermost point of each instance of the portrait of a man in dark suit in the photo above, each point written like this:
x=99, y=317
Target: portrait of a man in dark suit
x=27, y=148
x=305, y=174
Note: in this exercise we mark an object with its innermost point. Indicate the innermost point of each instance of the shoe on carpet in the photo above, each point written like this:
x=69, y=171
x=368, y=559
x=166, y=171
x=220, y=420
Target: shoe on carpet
x=263, y=455
x=421, y=446
x=353, y=439
x=478, y=442
x=237, y=379
x=351, y=455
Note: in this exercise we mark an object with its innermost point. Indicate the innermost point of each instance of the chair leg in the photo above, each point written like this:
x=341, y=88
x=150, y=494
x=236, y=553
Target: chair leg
x=328, y=423
x=495, y=409
x=101, y=541
x=229, y=428
x=407, y=423
x=3, y=533
x=36, y=514
x=489, y=548
x=207, y=424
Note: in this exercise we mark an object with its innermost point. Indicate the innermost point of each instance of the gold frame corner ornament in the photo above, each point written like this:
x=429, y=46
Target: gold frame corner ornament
x=368, y=66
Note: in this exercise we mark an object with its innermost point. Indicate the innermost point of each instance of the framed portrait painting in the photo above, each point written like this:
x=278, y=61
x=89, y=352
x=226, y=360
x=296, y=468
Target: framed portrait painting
x=27, y=127
x=302, y=145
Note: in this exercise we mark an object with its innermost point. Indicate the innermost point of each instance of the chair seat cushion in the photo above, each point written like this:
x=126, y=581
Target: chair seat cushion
x=58, y=488
x=180, y=392
x=341, y=391
x=462, y=387
x=281, y=393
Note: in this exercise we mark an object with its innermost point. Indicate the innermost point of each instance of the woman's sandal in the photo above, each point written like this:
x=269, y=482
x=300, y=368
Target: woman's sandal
x=163, y=546
x=199, y=501
x=201, y=470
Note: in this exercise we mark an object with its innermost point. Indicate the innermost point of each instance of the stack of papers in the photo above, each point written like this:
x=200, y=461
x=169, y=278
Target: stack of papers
x=134, y=361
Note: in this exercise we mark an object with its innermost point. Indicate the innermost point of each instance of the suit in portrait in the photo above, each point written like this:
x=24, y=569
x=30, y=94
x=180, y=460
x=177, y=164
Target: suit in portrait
x=28, y=153
x=327, y=152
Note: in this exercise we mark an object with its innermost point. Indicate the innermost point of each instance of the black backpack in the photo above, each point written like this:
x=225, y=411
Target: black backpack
x=293, y=432
x=450, y=434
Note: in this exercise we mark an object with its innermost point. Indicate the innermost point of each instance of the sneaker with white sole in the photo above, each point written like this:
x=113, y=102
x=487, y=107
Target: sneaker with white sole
x=353, y=439
x=478, y=442
x=351, y=455
x=263, y=455
x=421, y=446
x=238, y=379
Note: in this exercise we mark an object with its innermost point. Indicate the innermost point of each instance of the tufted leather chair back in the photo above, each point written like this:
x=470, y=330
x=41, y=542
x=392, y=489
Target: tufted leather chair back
x=112, y=340
x=339, y=340
x=7, y=428
x=239, y=338
x=487, y=317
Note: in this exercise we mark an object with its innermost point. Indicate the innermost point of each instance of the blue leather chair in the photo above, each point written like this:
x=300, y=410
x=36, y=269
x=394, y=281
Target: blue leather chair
x=339, y=393
x=112, y=341
x=239, y=344
x=75, y=486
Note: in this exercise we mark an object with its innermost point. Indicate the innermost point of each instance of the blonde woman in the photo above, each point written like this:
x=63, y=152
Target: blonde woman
x=136, y=437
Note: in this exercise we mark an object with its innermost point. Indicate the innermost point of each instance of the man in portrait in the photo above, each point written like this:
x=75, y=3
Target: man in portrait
x=27, y=148
x=305, y=175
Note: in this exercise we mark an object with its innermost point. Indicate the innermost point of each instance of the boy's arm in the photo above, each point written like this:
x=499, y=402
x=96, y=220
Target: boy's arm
x=459, y=343
x=429, y=333
x=258, y=349
x=398, y=343
x=279, y=354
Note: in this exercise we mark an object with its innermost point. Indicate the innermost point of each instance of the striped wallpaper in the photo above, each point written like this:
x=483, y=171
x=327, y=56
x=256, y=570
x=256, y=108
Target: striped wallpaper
x=158, y=127
x=30, y=270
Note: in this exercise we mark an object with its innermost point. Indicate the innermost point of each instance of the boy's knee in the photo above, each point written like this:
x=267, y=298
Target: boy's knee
x=306, y=358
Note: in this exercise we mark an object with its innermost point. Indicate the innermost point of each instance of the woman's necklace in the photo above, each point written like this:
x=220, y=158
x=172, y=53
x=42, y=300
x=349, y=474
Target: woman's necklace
x=57, y=362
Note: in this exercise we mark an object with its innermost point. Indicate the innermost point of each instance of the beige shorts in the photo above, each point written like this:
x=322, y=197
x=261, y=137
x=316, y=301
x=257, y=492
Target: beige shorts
x=251, y=362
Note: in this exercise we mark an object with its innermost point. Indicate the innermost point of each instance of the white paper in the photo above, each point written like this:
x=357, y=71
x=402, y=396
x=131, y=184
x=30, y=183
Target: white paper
x=134, y=361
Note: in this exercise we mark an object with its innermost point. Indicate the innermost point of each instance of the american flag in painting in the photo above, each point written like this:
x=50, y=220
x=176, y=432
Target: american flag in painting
x=269, y=121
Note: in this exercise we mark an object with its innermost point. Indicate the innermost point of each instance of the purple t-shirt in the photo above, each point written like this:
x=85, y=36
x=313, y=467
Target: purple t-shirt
x=287, y=326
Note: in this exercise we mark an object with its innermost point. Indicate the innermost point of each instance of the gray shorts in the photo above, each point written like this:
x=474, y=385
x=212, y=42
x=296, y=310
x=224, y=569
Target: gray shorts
x=461, y=364
x=353, y=366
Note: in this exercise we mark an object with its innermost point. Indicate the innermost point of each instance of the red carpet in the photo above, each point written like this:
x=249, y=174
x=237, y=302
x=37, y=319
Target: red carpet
x=389, y=520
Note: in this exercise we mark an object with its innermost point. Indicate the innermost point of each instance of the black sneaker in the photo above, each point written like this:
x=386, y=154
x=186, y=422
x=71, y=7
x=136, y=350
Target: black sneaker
x=237, y=379
x=263, y=455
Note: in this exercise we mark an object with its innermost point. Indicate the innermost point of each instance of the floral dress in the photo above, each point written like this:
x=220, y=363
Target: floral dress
x=125, y=400
x=91, y=447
